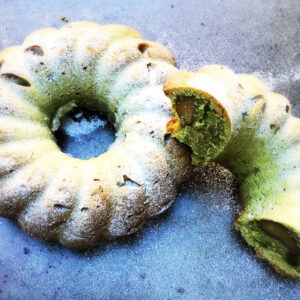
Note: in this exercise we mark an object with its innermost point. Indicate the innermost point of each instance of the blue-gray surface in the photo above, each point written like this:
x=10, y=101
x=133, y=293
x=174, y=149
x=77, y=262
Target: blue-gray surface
x=192, y=251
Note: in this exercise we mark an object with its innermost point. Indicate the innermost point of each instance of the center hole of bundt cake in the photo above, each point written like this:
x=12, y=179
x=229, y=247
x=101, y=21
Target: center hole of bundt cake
x=84, y=133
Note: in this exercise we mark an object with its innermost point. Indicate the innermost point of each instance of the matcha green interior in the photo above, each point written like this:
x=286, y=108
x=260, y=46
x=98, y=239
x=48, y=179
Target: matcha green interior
x=203, y=129
x=283, y=235
x=275, y=242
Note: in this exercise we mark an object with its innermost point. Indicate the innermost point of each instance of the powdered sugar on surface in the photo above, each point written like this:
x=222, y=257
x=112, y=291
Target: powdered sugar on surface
x=83, y=127
x=86, y=137
x=216, y=185
x=275, y=81
x=286, y=83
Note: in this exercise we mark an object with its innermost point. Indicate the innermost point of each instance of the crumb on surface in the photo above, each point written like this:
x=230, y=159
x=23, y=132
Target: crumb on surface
x=64, y=18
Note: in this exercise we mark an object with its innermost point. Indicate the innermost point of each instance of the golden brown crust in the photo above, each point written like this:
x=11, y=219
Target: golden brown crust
x=276, y=268
x=173, y=126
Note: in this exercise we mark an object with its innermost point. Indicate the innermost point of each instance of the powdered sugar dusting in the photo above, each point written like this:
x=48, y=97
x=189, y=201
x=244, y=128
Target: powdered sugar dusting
x=275, y=82
x=6, y=163
x=271, y=80
x=83, y=127
x=286, y=83
x=218, y=184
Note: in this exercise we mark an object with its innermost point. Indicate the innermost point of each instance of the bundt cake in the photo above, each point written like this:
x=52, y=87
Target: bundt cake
x=105, y=68
x=233, y=119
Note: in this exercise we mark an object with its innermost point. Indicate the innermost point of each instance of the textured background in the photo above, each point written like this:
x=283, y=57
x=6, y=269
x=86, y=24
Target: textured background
x=192, y=251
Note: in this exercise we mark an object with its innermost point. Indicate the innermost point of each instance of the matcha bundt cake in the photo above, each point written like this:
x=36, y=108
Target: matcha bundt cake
x=232, y=119
x=105, y=68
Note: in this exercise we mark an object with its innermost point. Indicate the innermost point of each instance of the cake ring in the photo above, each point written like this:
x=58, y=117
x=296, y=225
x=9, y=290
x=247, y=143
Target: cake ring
x=232, y=119
x=110, y=69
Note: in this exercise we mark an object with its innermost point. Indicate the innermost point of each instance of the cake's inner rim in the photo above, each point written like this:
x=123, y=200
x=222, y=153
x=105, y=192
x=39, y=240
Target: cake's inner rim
x=75, y=105
x=90, y=117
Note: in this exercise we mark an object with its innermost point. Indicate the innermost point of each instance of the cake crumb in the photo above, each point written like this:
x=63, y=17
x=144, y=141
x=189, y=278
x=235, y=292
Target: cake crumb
x=64, y=18
x=26, y=251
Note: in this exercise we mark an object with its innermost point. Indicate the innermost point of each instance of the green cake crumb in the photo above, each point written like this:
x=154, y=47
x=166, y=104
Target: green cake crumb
x=202, y=127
